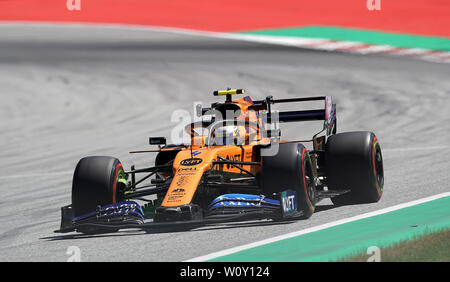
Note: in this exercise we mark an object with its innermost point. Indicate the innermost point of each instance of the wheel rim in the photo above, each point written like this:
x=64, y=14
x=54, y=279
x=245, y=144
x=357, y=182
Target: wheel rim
x=121, y=184
x=309, y=186
x=379, y=167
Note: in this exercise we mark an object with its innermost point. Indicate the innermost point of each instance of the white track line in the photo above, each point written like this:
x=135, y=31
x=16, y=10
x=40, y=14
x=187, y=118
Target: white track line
x=316, y=228
x=373, y=49
x=413, y=51
x=339, y=45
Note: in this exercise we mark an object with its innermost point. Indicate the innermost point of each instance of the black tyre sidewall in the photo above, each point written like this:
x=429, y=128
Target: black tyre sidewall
x=95, y=183
x=287, y=170
x=350, y=164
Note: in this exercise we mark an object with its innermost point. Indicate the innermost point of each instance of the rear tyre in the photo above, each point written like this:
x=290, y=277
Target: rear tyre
x=292, y=169
x=95, y=183
x=354, y=161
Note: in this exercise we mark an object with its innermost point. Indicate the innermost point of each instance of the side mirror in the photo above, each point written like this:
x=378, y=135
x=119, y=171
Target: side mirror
x=157, y=141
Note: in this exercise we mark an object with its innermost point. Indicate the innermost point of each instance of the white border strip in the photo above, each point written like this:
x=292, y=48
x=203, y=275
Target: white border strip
x=316, y=228
x=322, y=44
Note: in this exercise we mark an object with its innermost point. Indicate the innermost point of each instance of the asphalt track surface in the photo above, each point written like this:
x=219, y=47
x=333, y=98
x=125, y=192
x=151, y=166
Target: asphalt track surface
x=69, y=92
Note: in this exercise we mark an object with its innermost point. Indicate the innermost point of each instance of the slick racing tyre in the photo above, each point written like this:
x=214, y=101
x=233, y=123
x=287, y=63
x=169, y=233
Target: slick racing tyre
x=290, y=168
x=354, y=161
x=96, y=183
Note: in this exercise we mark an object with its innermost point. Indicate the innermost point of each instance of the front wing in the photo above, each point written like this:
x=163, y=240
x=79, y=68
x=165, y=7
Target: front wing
x=226, y=208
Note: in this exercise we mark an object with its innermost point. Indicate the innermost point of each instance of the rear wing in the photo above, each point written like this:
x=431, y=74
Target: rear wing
x=327, y=114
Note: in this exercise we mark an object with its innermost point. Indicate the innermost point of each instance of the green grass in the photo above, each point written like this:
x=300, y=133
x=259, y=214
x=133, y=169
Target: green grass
x=429, y=247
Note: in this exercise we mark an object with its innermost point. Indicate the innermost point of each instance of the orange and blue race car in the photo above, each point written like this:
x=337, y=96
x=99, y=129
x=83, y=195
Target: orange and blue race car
x=236, y=167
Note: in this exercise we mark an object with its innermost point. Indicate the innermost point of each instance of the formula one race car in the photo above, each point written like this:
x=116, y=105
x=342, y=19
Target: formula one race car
x=233, y=169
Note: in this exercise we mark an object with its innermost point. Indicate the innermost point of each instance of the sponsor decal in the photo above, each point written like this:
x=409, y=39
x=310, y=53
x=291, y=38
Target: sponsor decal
x=176, y=194
x=174, y=199
x=232, y=158
x=191, y=162
x=180, y=182
x=289, y=203
x=123, y=208
x=243, y=201
x=237, y=204
x=186, y=171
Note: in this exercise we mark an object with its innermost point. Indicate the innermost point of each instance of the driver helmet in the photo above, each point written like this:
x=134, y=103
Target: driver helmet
x=227, y=135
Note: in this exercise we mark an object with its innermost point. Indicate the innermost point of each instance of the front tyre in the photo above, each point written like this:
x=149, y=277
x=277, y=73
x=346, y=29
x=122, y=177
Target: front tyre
x=291, y=168
x=354, y=161
x=97, y=181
